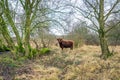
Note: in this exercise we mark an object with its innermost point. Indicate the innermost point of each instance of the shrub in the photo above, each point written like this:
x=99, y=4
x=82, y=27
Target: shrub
x=44, y=50
x=20, y=49
x=4, y=48
x=34, y=52
x=7, y=61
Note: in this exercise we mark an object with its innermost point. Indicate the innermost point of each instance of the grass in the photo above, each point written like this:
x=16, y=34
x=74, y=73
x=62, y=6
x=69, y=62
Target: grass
x=79, y=64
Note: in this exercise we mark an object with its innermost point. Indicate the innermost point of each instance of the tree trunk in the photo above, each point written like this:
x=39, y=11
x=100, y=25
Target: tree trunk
x=104, y=46
x=28, y=12
x=102, y=35
x=6, y=34
x=10, y=20
x=19, y=42
x=27, y=36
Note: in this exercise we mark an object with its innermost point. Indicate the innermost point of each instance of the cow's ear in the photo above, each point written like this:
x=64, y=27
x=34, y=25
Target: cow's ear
x=60, y=39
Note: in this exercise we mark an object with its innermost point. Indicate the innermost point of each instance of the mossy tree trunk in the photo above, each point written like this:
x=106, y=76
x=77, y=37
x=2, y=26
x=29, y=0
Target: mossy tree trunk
x=6, y=33
x=95, y=11
x=104, y=45
x=30, y=8
x=7, y=14
x=102, y=35
x=27, y=34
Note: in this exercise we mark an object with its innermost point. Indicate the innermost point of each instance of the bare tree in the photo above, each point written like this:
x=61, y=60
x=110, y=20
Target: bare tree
x=98, y=12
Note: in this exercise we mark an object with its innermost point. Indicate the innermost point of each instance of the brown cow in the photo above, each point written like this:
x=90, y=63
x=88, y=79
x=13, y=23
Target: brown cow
x=65, y=43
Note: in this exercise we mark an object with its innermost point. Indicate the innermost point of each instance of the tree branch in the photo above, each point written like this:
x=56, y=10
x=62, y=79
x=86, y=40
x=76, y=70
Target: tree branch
x=36, y=5
x=116, y=25
x=44, y=22
x=110, y=11
x=22, y=4
x=94, y=8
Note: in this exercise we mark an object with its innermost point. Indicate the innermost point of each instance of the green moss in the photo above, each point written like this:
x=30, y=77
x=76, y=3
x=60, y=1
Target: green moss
x=7, y=61
x=33, y=53
x=44, y=50
x=20, y=49
x=4, y=48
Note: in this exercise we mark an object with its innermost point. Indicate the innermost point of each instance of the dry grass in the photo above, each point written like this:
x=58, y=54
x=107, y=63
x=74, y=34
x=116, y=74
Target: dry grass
x=80, y=64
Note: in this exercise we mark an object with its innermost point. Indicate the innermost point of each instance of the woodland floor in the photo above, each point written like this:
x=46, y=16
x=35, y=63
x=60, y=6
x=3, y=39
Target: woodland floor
x=79, y=64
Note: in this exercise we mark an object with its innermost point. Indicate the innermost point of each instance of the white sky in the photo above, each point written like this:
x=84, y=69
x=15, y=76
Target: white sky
x=57, y=29
x=72, y=18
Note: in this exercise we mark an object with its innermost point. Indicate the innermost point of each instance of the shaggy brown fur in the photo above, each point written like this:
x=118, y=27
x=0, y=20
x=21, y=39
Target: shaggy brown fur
x=65, y=43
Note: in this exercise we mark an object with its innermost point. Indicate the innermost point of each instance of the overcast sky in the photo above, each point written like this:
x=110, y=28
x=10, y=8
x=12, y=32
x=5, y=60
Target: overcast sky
x=70, y=16
x=66, y=15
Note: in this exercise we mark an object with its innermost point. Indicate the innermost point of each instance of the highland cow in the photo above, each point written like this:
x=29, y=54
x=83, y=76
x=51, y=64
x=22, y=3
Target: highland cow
x=65, y=43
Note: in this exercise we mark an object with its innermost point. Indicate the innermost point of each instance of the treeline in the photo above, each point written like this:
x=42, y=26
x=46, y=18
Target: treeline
x=81, y=34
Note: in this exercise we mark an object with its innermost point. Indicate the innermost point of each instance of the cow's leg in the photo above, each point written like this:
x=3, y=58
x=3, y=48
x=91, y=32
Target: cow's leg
x=71, y=48
x=61, y=47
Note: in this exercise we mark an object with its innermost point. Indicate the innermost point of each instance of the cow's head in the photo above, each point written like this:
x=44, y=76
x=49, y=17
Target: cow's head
x=59, y=40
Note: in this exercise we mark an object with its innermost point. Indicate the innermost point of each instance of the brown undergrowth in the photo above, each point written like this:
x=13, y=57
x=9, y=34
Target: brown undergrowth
x=79, y=64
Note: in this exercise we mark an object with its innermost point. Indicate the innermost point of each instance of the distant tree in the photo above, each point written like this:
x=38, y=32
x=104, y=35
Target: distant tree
x=79, y=33
x=92, y=39
x=82, y=35
x=114, y=34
